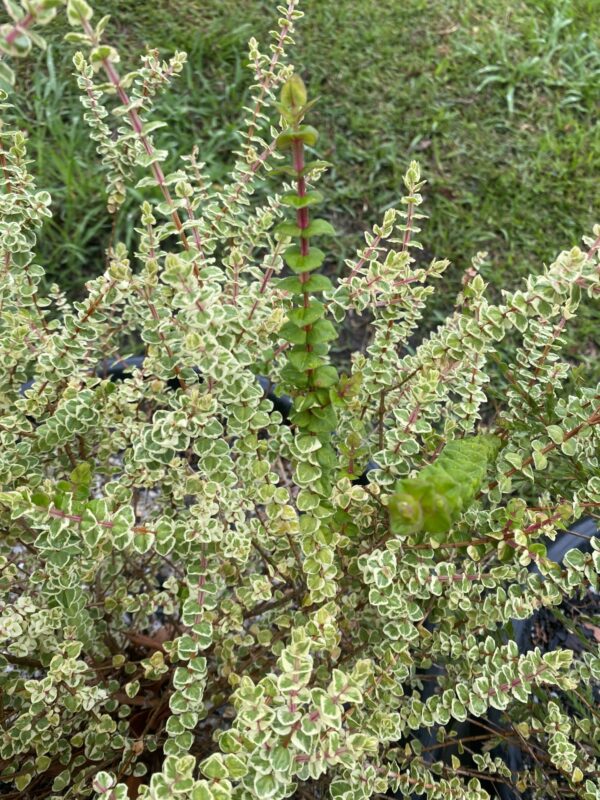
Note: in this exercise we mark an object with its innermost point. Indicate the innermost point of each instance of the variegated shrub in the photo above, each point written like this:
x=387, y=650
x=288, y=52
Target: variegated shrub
x=200, y=599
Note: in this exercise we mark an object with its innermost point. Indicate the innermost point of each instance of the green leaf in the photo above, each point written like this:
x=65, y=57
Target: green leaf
x=307, y=444
x=288, y=229
x=281, y=759
x=213, y=767
x=311, y=166
x=292, y=333
x=321, y=420
x=236, y=767
x=295, y=201
x=82, y=474
x=21, y=45
x=285, y=169
x=327, y=457
x=78, y=10
x=556, y=433
x=61, y=781
x=293, y=285
x=329, y=709
x=294, y=376
x=307, y=473
x=569, y=447
x=201, y=791
x=178, y=703
x=308, y=134
x=307, y=316
x=293, y=94
x=306, y=401
x=75, y=37
x=324, y=377
x=187, y=647
x=318, y=283
x=303, y=360
x=304, y=133
x=42, y=763
x=577, y=775
x=15, y=11
x=265, y=786
x=303, y=263
x=319, y=227
x=101, y=26
x=203, y=632
x=142, y=542
x=102, y=52
x=434, y=499
x=132, y=688
x=575, y=559
x=22, y=780
x=41, y=499
x=321, y=331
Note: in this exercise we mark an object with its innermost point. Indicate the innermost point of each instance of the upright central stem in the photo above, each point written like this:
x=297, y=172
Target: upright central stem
x=302, y=217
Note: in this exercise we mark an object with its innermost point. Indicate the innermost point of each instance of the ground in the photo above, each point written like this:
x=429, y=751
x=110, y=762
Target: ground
x=497, y=101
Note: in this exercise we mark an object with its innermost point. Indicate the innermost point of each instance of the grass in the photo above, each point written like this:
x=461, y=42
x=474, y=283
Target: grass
x=497, y=100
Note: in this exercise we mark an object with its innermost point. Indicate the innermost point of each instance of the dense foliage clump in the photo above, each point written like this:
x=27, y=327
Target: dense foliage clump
x=202, y=599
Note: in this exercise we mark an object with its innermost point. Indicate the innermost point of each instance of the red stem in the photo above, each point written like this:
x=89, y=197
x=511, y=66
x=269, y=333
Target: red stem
x=302, y=216
x=20, y=27
x=138, y=127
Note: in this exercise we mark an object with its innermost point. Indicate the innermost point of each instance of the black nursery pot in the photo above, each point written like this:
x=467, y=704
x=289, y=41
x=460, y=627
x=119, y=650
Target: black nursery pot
x=578, y=537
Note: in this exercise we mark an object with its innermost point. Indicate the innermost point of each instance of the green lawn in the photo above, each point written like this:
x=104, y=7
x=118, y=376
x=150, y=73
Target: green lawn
x=498, y=101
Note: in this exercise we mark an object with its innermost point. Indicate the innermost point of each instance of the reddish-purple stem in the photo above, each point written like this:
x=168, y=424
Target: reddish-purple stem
x=20, y=27
x=138, y=127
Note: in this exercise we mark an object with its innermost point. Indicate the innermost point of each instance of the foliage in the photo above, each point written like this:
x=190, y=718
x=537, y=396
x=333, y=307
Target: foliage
x=434, y=500
x=429, y=106
x=200, y=601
